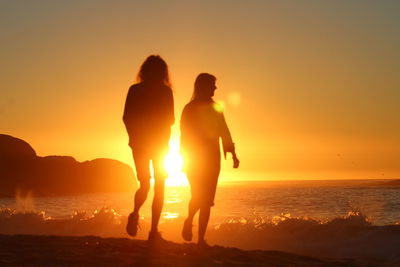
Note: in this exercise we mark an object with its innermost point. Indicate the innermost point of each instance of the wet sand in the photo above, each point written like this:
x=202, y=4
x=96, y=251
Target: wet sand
x=32, y=250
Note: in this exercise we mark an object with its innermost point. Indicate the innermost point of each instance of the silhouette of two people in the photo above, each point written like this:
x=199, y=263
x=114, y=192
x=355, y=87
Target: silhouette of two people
x=148, y=117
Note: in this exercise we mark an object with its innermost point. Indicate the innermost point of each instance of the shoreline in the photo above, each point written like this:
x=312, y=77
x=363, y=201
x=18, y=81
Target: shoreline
x=39, y=250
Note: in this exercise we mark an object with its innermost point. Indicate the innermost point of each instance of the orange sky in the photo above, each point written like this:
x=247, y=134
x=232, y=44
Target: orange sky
x=311, y=89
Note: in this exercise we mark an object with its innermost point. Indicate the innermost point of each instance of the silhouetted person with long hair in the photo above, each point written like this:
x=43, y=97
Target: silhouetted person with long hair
x=148, y=117
x=202, y=125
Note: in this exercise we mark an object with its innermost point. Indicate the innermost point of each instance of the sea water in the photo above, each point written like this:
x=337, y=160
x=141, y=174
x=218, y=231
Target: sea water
x=346, y=219
x=320, y=200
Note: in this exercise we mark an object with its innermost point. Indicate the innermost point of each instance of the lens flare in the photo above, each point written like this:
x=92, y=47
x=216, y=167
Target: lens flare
x=173, y=163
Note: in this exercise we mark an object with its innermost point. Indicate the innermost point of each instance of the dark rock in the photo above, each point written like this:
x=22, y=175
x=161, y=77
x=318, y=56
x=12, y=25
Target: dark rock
x=14, y=147
x=22, y=170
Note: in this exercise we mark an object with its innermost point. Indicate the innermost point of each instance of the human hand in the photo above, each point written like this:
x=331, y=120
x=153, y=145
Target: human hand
x=235, y=161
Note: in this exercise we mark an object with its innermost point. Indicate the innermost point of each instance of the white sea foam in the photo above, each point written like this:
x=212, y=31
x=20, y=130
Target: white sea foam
x=349, y=236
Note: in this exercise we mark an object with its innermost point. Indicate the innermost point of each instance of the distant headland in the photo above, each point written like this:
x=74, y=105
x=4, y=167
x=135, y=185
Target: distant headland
x=22, y=170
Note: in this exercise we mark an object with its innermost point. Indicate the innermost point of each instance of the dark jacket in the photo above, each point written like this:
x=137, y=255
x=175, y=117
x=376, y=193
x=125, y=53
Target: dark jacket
x=149, y=113
x=202, y=125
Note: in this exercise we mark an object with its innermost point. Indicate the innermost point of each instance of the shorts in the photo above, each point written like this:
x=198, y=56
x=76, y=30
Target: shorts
x=203, y=183
x=142, y=155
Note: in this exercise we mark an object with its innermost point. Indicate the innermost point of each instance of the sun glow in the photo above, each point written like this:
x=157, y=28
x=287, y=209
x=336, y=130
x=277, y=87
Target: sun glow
x=173, y=163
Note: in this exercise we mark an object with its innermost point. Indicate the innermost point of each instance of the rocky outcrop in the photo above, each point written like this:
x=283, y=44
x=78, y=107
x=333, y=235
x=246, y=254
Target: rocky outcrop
x=14, y=147
x=21, y=169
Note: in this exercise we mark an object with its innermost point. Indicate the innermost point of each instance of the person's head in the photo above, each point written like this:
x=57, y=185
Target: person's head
x=154, y=69
x=204, y=86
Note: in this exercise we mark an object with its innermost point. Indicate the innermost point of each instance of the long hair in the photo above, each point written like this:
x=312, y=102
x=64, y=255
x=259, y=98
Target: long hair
x=203, y=81
x=154, y=69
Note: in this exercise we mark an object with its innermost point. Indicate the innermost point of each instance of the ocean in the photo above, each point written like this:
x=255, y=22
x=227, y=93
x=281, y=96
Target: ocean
x=321, y=200
x=307, y=217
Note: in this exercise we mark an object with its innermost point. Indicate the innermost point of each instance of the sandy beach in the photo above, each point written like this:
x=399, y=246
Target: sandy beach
x=30, y=250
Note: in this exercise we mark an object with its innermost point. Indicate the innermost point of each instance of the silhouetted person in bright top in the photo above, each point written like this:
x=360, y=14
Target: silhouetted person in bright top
x=202, y=125
x=148, y=117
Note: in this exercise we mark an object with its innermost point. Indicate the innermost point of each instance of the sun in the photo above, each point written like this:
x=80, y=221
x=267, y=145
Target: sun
x=173, y=163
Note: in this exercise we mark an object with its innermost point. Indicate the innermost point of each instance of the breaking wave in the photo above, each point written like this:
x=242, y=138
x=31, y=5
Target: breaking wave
x=349, y=236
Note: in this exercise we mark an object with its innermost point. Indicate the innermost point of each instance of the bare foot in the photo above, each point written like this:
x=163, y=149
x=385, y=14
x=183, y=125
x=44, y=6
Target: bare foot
x=155, y=237
x=133, y=222
x=187, y=230
x=203, y=244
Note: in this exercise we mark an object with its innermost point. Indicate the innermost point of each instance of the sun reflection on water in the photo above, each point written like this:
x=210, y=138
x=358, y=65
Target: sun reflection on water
x=170, y=215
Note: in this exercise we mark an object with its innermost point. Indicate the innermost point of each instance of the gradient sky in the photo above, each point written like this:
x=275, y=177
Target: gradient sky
x=311, y=88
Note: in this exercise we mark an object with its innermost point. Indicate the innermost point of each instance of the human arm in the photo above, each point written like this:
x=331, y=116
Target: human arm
x=127, y=116
x=130, y=111
x=227, y=142
x=170, y=107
